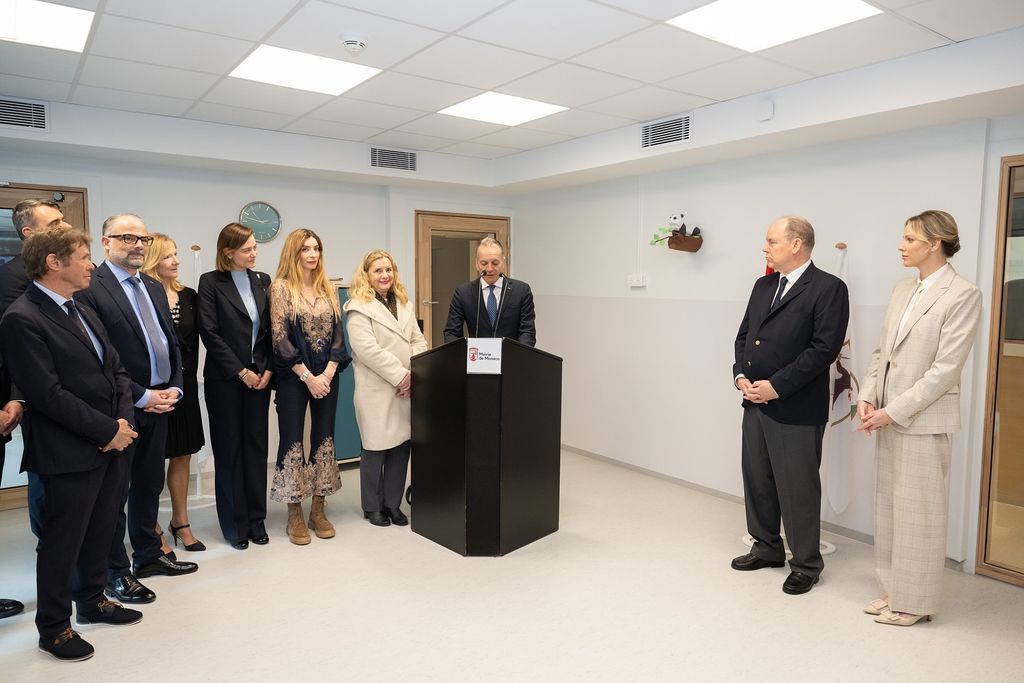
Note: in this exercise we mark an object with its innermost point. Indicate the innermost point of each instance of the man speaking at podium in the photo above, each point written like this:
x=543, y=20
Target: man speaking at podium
x=492, y=305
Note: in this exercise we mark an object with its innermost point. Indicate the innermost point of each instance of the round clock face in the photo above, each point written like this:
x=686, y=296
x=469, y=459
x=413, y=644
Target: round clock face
x=262, y=219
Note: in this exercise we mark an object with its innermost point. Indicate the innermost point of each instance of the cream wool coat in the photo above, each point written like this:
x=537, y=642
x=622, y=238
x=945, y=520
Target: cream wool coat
x=381, y=349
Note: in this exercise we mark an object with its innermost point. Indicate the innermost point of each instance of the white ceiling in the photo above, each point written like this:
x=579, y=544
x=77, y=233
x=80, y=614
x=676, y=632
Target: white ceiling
x=612, y=62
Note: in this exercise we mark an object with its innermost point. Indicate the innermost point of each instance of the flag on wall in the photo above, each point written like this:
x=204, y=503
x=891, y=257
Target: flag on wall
x=842, y=424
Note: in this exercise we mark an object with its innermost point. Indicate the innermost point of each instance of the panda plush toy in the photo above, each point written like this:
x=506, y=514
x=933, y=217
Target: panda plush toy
x=675, y=222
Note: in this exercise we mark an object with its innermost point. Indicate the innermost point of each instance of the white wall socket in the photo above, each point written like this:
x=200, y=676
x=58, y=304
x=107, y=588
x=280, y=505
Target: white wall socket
x=637, y=280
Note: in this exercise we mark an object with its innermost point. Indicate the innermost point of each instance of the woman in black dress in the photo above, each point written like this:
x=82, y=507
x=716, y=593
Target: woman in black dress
x=185, y=425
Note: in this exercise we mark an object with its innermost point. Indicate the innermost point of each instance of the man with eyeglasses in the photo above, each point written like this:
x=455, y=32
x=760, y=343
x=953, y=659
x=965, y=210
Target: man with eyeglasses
x=133, y=308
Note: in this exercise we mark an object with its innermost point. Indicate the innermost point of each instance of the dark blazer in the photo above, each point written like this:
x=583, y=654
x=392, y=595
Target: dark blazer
x=226, y=329
x=515, y=313
x=106, y=296
x=794, y=345
x=74, y=399
x=13, y=281
x=188, y=330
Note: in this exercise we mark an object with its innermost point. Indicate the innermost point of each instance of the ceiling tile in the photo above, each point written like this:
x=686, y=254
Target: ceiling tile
x=467, y=62
x=451, y=127
x=109, y=98
x=549, y=85
x=248, y=19
x=577, y=123
x=413, y=92
x=33, y=88
x=396, y=138
x=142, y=41
x=648, y=103
x=893, y=4
x=521, y=138
x=219, y=113
x=105, y=72
x=657, y=9
x=961, y=20
x=317, y=27
x=475, y=149
x=238, y=92
x=553, y=29
x=331, y=129
x=80, y=4
x=360, y=113
x=867, y=41
x=737, y=78
x=444, y=15
x=37, y=62
x=657, y=53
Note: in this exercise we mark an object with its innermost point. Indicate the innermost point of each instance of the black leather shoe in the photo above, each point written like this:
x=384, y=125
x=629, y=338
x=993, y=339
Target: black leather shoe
x=377, y=518
x=165, y=567
x=798, y=583
x=171, y=556
x=109, y=612
x=8, y=608
x=128, y=589
x=258, y=534
x=397, y=517
x=67, y=646
x=241, y=544
x=750, y=562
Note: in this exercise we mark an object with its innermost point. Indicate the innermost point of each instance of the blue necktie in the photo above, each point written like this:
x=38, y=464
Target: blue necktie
x=492, y=306
x=163, y=360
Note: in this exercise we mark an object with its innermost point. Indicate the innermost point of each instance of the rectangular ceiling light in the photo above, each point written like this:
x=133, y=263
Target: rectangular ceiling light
x=45, y=24
x=754, y=25
x=505, y=110
x=302, y=71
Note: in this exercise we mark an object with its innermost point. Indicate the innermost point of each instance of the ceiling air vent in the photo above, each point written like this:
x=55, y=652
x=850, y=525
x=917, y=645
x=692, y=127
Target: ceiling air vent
x=664, y=132
x=392, y=158
x=22, y=113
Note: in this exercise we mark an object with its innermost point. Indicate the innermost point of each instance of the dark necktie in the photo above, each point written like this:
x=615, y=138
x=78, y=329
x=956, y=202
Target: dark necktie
x=492, y=306
x=782, y=289
x=163, y=361
x=76, y=318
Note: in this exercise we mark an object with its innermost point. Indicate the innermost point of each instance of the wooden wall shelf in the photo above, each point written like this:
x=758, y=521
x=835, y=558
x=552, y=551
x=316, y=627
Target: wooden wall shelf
x=681, y=243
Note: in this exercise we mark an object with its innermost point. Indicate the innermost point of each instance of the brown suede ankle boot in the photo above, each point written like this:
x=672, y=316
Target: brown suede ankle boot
x=297, y=531
x=318, y=520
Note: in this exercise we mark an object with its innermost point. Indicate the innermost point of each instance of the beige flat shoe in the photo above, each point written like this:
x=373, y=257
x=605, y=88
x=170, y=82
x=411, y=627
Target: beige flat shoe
x=876, y=607
x=900, y=618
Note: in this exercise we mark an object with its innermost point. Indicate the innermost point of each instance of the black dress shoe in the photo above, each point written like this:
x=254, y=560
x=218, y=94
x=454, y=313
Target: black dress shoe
x=258, y=534
x=8, y=608
x=397, y=517
x=171, y=556
x=67, y=646
x=798, y=583
x=750, y=562
x=109, y=612
x=165, y=567
x=377, y=518
x=128, y=589
x=240, y=544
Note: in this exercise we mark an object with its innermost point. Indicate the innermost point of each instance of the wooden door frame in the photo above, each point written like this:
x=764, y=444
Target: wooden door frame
x=427, y=222
x=994, y=355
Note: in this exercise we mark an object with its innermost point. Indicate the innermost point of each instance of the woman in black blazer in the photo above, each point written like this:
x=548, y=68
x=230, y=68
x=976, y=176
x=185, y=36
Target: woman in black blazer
x=234, y=323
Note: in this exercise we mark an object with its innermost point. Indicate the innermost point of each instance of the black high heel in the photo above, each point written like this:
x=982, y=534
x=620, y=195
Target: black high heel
x=198, y=545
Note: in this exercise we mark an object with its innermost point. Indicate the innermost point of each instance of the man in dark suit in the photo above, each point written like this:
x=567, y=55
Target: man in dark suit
x=792, y=331
x=134, y=311
x=11, y=412
x=75, y=431
x=492, y=305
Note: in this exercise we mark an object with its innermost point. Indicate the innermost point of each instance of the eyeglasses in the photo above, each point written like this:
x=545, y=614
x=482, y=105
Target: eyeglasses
x=132, y=239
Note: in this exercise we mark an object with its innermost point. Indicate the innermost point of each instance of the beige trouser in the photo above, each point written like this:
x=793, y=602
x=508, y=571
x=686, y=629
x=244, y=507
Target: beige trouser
x=911, y=511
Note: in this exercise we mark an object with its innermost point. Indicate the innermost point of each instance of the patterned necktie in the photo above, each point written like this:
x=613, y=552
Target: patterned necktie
x=782, y=288
x=163, y=361
x=76, y=318
x=492, y=306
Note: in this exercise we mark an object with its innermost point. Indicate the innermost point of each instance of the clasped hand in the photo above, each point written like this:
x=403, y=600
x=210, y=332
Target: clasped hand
x=319, y=385
x=760, y=391
x=123, y=438
x=871, y=420
x=10, y=416
x=404, y=388
x=161, y=401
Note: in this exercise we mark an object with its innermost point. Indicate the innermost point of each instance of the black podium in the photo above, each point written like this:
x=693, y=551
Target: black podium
x=486, y=448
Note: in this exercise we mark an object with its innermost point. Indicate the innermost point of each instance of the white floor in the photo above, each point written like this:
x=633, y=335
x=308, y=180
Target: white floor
x=635, y=586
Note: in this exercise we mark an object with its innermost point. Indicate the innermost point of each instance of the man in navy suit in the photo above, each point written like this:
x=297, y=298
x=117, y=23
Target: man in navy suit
x=76, y=428
x=133, y=308
x=11, y=412
x=791, y=333
x=492, y=305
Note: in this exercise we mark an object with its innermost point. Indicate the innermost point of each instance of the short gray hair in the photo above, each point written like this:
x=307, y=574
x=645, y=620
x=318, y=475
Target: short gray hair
x=798, y=227
x=109, y=223
x=491, y=242
x=24, y=213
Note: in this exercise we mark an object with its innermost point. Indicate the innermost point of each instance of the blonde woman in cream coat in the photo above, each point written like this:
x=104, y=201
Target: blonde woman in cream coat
x=383, y=334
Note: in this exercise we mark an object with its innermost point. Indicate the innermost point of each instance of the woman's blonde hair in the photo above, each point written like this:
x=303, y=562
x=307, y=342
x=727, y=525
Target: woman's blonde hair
x=361, y=288
x=158, y=251
x=936, y=225
x=289, y=269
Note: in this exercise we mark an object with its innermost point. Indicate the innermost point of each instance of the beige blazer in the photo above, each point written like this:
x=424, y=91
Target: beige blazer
x=381, y=349
x=916, y=376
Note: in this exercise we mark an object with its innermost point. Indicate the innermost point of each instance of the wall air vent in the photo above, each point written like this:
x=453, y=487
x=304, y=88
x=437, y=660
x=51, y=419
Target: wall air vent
x=664, y=132
x=392, y=158
x=23, y=114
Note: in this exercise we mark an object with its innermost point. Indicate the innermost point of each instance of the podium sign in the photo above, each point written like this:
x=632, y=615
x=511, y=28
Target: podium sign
x=483, y=356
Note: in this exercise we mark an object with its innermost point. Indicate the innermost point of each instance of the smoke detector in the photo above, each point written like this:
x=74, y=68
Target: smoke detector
x=354, y=42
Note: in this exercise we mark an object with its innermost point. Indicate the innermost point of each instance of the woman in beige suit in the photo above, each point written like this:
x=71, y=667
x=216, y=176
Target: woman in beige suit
x=911, y=397
x=383, y=333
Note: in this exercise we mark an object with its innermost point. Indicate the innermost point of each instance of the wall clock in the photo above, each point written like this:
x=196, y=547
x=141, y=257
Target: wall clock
x=263, y=219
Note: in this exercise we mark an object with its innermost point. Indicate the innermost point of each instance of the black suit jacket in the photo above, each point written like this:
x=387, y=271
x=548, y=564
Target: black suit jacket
x=74, y=398
x=515, y=313
x=793, y=345
x=106, y=296
x=13, y=281
x=226, y=329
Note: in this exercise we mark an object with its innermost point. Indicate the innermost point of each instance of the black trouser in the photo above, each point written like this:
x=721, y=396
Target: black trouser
x=238, y=436
x=292, y=399
x=382, y=477
x=781, y=482
x=141, y=485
